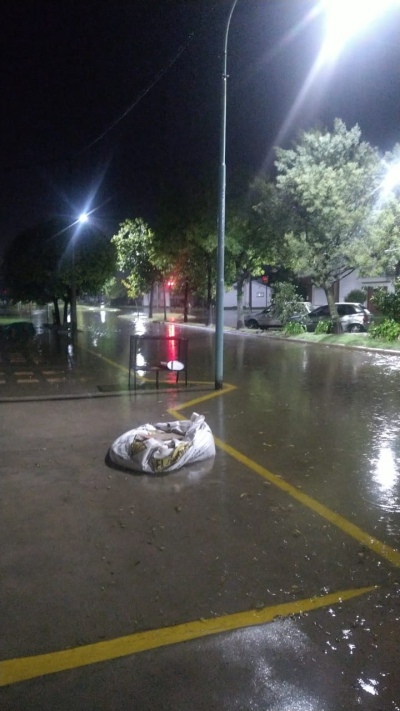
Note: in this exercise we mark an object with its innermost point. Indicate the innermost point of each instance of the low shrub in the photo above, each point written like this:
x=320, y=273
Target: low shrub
x=294, y=328
x=387, y=330
x=357, y=296
x=323, y=327
x=388, y=303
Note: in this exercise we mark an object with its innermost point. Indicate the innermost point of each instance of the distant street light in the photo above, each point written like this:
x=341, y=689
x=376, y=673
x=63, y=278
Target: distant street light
x=219, y=315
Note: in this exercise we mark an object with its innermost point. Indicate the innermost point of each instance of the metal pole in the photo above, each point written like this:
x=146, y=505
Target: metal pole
x=73, y=291
x=219, y=318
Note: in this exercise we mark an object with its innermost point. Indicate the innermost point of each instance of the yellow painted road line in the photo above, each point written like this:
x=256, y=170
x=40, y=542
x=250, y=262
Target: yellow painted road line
x=191, y=403
x=15, y=670
x=106, y=360
x=391, y=554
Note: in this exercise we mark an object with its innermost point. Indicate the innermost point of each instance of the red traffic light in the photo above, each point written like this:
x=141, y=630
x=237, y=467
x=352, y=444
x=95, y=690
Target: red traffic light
x=264, y=278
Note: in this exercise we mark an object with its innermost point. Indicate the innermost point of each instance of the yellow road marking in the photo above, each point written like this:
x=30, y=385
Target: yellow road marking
x=31, y=380
x=15, y=670
x=391, y=554
x=191, y=403
x=107, y=360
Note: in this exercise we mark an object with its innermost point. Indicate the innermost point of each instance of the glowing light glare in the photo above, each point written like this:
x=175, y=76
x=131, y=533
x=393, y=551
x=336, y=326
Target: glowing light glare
x=346, y=18
x=370, y=686
x=386, y=472
x=83, y=217
x=392, y=178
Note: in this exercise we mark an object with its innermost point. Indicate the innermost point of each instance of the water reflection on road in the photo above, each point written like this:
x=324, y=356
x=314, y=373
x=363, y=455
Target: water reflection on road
x=325, y=419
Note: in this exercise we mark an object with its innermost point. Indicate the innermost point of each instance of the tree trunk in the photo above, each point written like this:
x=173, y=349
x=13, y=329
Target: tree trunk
x=239, y=319
x=165, y=302
x=56, y=313
x=67, y=303
x=330, y=296
x=151, y=301
x=186, y=302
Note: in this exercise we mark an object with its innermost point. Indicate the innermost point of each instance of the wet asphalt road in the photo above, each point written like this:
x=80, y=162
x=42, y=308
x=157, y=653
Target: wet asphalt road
x=90, y=554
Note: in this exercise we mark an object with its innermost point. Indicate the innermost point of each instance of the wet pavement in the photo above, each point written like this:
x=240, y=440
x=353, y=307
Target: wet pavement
x=265, y=579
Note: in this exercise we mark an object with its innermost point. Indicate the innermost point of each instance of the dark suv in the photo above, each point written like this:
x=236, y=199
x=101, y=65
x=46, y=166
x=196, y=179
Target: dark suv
x=353, y=317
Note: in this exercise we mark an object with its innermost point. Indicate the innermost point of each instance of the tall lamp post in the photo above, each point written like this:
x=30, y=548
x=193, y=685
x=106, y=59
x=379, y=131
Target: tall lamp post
x=219, y=317
x=74, y=323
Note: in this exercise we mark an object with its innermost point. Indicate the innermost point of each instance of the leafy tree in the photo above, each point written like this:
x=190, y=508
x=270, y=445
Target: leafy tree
x=286, y=301
x=138, y=258
x=329, y=184
x=114, y=288
x=186, y=235
x=244, y=258
x=40, y=263
x=202, y=255
x=388, y=303
x=251, y=237
x=383, y=253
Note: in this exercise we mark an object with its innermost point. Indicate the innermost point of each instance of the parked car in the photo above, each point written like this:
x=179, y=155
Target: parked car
x=267, y=318
x=353, y=317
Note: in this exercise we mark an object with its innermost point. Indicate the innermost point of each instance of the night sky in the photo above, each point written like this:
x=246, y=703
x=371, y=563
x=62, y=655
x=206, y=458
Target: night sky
x=117, y=101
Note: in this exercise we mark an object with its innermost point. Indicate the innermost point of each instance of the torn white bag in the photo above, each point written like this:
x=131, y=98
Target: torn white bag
x=164, y=446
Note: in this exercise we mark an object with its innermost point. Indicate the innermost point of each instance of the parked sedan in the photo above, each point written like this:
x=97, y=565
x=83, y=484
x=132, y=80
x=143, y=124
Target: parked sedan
x=267, y=318
x=353, y=317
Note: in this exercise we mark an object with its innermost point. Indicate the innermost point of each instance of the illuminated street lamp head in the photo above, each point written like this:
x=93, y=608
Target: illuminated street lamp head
x=83, y=217
x=346, y=18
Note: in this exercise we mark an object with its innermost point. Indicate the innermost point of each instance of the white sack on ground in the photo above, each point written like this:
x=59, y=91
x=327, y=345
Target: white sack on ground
x=165, y=446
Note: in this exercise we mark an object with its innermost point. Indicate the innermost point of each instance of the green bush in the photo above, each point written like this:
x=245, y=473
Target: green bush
x=388, y=330
x=323, y=326
x=388, y=303
x=294, y=328
x=356, y=296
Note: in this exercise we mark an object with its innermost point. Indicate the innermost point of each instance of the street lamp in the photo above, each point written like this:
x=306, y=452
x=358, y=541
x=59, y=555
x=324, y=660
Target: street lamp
x=219, y=315
x=345, y=18
x=83, y=217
